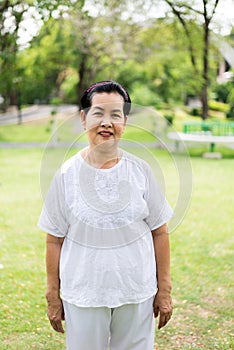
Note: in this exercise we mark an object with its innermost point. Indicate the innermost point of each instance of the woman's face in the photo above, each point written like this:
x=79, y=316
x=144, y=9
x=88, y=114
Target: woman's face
x=105, y=119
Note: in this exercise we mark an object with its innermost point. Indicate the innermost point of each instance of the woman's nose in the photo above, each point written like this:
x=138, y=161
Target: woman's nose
x=106, y=123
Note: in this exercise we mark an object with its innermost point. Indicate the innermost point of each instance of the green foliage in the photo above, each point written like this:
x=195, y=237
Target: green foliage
x=230, y=112
x=230, y=99
x=55, y=101
x=222, y=91
x=130, y=73
x=46, y=62
x=51, y=5
x=169, y=117
x=12, y=15
x=218, y=106
x=195, y=112
x=74, y=48
x=69, y=87
x=53, y=112
x=142, y=95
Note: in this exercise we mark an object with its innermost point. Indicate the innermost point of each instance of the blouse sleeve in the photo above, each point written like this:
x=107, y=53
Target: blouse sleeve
x=53, y=218
x=159, y=209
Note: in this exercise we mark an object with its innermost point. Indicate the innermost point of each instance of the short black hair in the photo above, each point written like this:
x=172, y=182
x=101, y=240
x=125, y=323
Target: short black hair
x=107, y=86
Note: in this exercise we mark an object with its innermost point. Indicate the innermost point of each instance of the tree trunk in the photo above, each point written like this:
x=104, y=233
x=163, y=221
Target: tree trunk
x=81, y=84
x=205, y=84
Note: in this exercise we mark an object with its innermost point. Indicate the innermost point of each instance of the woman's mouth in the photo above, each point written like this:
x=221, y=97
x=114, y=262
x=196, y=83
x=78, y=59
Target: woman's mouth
x=105, y=134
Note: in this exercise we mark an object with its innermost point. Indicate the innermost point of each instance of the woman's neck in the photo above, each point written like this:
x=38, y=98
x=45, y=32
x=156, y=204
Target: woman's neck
x=101, y=159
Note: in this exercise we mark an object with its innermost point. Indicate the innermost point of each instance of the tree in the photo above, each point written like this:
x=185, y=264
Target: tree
x=82, y=48
x=47, y=62
x=196, y=11
x=99, y=42
x=166, y=60
x=92, y=44
x=12, y=15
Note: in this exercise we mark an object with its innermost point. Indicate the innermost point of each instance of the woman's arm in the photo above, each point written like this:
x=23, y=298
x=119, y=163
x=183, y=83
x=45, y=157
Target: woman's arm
x=162, y=301
x=55, y=306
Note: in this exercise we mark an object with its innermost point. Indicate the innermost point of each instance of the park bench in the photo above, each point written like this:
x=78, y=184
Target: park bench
x=211, y=133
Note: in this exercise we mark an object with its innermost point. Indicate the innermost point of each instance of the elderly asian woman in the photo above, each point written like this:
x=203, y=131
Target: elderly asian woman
x=107, y=245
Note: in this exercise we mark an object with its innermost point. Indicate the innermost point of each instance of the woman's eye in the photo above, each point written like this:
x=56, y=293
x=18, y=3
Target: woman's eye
x=97, y=114
x=116, y=116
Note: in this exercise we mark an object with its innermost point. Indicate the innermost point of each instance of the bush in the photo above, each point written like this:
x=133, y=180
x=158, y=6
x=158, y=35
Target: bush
x=231, y=97
x=169, y=118
x=222, y=91
x=53, y=111
x=218, y=106
x=195, y=112
x=230, y=113
x=55, y=101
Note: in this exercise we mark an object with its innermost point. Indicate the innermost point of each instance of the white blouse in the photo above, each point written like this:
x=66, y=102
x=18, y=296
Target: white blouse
x=106, y=217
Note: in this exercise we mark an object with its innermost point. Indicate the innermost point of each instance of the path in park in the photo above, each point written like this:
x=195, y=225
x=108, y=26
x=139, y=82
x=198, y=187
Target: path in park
x=35, y=112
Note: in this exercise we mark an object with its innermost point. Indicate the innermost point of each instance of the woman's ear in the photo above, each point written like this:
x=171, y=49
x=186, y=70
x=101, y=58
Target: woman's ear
x=83, y=119
x=125, y=120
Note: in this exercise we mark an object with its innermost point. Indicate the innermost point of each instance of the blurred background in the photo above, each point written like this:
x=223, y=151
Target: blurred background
x=176, y=59
x=166, y=53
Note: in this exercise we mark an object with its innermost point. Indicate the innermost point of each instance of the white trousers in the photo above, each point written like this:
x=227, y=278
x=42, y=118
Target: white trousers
x=127, y=327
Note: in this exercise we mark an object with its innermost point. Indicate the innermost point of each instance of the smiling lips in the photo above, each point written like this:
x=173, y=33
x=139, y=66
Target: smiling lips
x=105, y=133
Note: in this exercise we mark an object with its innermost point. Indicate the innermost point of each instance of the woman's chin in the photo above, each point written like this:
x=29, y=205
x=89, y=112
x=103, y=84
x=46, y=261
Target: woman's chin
x=107, y=143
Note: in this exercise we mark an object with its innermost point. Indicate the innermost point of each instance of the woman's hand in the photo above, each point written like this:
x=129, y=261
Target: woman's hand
x=55, y=312
x=163, y=306
x=162, y=301
x=55, y=306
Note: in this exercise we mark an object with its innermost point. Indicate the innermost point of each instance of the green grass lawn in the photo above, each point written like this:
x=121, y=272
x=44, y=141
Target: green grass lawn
x=26, y=132
x=37, y=131
x=201, y=256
